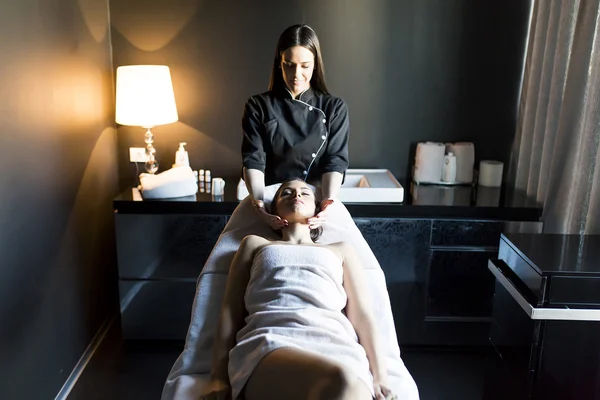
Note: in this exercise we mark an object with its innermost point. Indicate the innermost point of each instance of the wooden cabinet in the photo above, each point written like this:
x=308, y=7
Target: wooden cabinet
x=159, y=260
x=437, y=277
x=459, y=288
x=402, y=250
x=545, y=328
x=436, y=273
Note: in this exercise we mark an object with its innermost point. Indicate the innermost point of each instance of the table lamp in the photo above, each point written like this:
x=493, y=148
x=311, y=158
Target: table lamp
x=145, y=98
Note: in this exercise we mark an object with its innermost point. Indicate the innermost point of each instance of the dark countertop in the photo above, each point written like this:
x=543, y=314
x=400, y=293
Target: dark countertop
x=420, y=201
x=554, y=254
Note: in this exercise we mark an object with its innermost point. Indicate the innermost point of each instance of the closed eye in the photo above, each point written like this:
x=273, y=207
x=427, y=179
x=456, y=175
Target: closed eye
x=291, y=65
x=289, y=193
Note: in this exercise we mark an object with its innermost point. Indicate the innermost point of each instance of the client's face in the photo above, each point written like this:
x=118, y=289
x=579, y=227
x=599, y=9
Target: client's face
x=296, y=201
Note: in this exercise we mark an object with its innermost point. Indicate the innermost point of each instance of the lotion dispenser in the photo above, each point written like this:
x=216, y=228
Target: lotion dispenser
x=181, y=156
x=449, y=169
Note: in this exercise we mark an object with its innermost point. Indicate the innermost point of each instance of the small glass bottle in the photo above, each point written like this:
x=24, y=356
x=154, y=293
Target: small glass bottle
x=201, y=180
x=207, y=180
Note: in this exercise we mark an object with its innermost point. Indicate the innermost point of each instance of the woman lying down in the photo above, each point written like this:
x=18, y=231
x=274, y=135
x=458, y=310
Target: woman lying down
x=296, y=322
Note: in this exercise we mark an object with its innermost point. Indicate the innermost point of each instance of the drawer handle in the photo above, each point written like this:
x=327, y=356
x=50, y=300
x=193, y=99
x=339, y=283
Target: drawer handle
x=540, y=313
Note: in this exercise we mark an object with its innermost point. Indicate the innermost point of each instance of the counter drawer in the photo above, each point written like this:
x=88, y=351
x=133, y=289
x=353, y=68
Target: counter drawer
x=574, y=290
x=525, y=272
x=165, y=246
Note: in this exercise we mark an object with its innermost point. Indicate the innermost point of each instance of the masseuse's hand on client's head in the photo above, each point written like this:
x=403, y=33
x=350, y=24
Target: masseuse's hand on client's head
x=274, y=221
x=321, y=217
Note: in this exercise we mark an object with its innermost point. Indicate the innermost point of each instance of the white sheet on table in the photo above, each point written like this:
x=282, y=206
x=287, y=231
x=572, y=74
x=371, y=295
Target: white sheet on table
x=191, y=369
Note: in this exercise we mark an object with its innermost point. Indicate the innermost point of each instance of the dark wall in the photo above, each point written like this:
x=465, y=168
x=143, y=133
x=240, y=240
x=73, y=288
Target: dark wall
x=59, y=175
x=410, y=71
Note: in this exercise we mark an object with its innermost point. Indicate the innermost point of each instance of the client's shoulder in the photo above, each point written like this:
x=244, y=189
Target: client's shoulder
x=341, y=248
x=340, y=245
x=249, y=246
x=252, y=242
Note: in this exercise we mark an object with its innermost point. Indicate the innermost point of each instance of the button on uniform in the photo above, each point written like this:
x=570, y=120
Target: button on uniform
x=304, y=172
x=310, y=108
x=323, y=137
x=313, y=155
x=324, y=120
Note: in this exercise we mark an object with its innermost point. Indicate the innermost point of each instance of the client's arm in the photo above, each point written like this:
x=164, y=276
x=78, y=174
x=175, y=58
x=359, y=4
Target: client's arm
x=359, y=312
x=233, y=311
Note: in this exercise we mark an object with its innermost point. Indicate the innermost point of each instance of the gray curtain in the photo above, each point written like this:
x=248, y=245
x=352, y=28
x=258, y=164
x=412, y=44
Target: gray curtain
x=555, y=156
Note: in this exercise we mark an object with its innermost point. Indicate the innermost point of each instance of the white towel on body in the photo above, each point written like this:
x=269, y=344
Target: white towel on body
x=295, y=298
x=191, y=370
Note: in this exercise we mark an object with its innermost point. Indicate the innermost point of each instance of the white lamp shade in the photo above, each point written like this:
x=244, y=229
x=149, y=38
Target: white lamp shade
x=145, y=96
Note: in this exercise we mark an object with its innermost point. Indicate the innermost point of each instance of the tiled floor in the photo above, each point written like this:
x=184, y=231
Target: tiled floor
x=447, y=375
x=131, y=370
x=137, y=370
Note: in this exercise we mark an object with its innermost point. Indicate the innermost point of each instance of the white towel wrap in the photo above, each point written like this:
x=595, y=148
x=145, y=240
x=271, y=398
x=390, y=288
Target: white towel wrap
x=295, y=298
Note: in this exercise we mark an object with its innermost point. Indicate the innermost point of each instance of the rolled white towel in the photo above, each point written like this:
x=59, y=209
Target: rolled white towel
x=429, y=162
x=172, y=183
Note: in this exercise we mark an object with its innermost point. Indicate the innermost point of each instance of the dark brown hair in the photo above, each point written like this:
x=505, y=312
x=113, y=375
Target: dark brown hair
x=305, y=36
x=316, y=233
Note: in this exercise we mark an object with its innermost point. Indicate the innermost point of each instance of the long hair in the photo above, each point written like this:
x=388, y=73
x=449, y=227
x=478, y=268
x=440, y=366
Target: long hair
x=305, y=36
x=316, y=233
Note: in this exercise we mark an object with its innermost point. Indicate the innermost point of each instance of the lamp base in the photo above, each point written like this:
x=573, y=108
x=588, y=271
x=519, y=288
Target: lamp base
x=152, y=164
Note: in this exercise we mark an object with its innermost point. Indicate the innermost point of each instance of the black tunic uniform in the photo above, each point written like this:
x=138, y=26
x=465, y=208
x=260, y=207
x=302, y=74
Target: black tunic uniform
x=295, y=138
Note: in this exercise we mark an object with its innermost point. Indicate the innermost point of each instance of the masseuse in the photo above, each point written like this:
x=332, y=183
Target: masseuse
x=296, y=129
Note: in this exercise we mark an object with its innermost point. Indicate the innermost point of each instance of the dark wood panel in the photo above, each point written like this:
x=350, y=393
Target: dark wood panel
x=570, y=365
x=460, y=285
x=400, y=245
x=165, y=246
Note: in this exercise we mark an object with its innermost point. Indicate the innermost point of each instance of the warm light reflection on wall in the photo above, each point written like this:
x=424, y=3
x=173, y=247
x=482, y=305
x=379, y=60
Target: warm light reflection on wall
x=149, y=24
x=95, y=14
x=66, y=94
x=78, y=93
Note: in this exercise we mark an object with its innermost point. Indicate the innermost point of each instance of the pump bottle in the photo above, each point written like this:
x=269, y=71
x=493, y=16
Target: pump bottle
x=181, y=156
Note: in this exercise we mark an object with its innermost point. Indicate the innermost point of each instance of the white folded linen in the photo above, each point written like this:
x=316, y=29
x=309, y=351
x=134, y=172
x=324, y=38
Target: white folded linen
x=191, y=370
x=429, y=162
x=172, y=183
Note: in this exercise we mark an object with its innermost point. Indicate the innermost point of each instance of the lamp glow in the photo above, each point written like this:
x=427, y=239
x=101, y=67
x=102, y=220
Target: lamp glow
x=145, y=98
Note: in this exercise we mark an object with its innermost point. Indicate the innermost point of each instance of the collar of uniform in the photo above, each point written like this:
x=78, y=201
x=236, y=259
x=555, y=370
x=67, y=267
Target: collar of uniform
x=305, y=96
